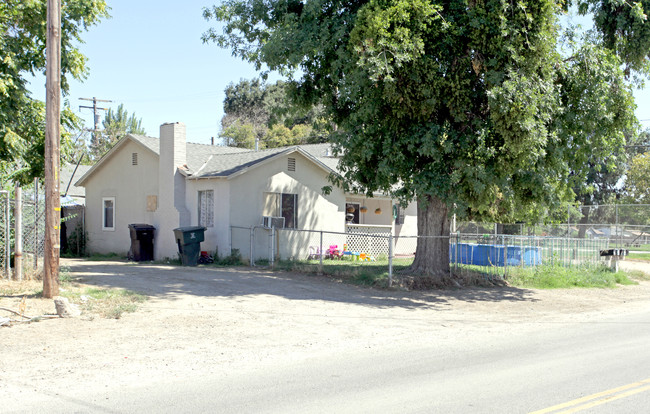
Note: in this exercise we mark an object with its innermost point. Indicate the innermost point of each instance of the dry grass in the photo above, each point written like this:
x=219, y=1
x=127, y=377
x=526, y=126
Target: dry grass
x=93, y=301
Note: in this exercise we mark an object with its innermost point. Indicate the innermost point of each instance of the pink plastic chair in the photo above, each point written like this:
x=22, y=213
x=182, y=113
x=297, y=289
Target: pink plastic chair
x=333, y=252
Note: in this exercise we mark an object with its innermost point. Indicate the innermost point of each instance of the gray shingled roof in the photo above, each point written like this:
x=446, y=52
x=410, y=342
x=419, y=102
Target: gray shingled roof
x=218, y=161
x=152, y=143
x=66, y=178
x=224, y=165
x=197, y=154
x=322, y=152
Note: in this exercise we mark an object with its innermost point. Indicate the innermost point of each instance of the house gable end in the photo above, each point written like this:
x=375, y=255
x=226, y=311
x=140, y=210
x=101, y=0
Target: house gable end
x=110, y=154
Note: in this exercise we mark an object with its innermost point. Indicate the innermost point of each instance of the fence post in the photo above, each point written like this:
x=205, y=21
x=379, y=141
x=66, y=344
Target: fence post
x=390, y=259
x=320, y=249
x=457, y=252
x=272, y=246
x=505, y=257
x=18, y=234
x=252, y=263
x=617, y=236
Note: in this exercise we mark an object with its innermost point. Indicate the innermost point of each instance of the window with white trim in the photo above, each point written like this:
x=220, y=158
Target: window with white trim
x=206, y=208
x=108, y=213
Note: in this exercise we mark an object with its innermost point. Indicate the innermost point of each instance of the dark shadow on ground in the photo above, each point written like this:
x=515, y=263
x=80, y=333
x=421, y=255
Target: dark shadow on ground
x=168, y=282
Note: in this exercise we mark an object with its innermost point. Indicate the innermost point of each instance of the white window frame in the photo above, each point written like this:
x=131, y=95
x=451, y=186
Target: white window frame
x=203, y=203
x=104, y=200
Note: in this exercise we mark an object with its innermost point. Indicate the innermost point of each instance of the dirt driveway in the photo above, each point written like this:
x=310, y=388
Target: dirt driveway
x=205, y=320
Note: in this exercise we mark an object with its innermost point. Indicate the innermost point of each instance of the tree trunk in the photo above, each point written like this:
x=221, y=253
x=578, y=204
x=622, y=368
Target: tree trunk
x=432, y=253
x=582, y=226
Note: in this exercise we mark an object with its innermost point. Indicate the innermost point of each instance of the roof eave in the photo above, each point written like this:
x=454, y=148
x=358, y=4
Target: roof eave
x=288, y=151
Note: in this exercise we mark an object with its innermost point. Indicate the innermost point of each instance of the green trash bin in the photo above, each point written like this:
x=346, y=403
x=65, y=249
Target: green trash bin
x=189, y=243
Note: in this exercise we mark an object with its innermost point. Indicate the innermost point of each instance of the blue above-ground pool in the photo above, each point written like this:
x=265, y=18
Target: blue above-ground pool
x=493, y=255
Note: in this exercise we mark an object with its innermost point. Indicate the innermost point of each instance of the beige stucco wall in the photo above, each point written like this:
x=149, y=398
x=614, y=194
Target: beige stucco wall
x=315, y=210
x=405, y=243
x=130, y=185
x=217, y=236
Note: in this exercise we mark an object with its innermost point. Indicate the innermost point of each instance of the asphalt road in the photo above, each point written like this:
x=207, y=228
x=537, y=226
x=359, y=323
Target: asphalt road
x=596, y=367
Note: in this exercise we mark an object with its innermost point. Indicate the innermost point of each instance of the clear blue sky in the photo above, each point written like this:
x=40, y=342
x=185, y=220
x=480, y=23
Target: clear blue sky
x=149, y=56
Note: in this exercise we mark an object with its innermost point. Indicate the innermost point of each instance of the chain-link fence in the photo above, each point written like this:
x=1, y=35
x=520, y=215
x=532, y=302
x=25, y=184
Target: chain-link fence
x=482, y=253
x=623, y=225
x=32, y=230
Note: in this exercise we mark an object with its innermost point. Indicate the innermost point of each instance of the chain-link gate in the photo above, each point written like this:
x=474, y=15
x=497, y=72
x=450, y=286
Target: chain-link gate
x=33, y=229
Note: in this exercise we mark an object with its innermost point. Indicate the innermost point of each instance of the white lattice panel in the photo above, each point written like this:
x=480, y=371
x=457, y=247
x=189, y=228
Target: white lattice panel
x=370, y=240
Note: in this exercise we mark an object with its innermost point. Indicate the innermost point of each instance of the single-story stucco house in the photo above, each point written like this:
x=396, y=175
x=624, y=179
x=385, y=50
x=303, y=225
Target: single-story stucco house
x=169, y=183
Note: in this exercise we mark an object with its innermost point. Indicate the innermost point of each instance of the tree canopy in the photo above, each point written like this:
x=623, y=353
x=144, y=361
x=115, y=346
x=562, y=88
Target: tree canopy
x=23, y=27
x=255, y=110
x=637, y=183
x=483, y=108
x=116, y=125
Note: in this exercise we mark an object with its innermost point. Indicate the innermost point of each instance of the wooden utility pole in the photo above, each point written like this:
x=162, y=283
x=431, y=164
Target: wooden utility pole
x=52, y=152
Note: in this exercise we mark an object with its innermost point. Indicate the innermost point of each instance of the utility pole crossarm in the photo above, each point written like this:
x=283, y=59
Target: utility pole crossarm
x=95, y=109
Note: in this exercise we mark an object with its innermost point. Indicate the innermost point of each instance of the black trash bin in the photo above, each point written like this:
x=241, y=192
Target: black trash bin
x=189, y=243
x=141, y=242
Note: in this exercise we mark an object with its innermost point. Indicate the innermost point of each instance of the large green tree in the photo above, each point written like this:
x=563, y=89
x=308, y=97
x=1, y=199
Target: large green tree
x=116, y=125
x=22, y=54
x=469, y=107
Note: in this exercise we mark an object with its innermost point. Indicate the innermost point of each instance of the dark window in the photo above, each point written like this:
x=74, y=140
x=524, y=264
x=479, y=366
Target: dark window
x=109, y=213
x=134, y=158
x=352, y=213
x=290, y=210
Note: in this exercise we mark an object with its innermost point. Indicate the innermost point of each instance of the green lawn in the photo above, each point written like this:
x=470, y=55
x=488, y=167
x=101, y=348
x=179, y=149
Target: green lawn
x=541, y=277
x=558, y=277
x=639, y=256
